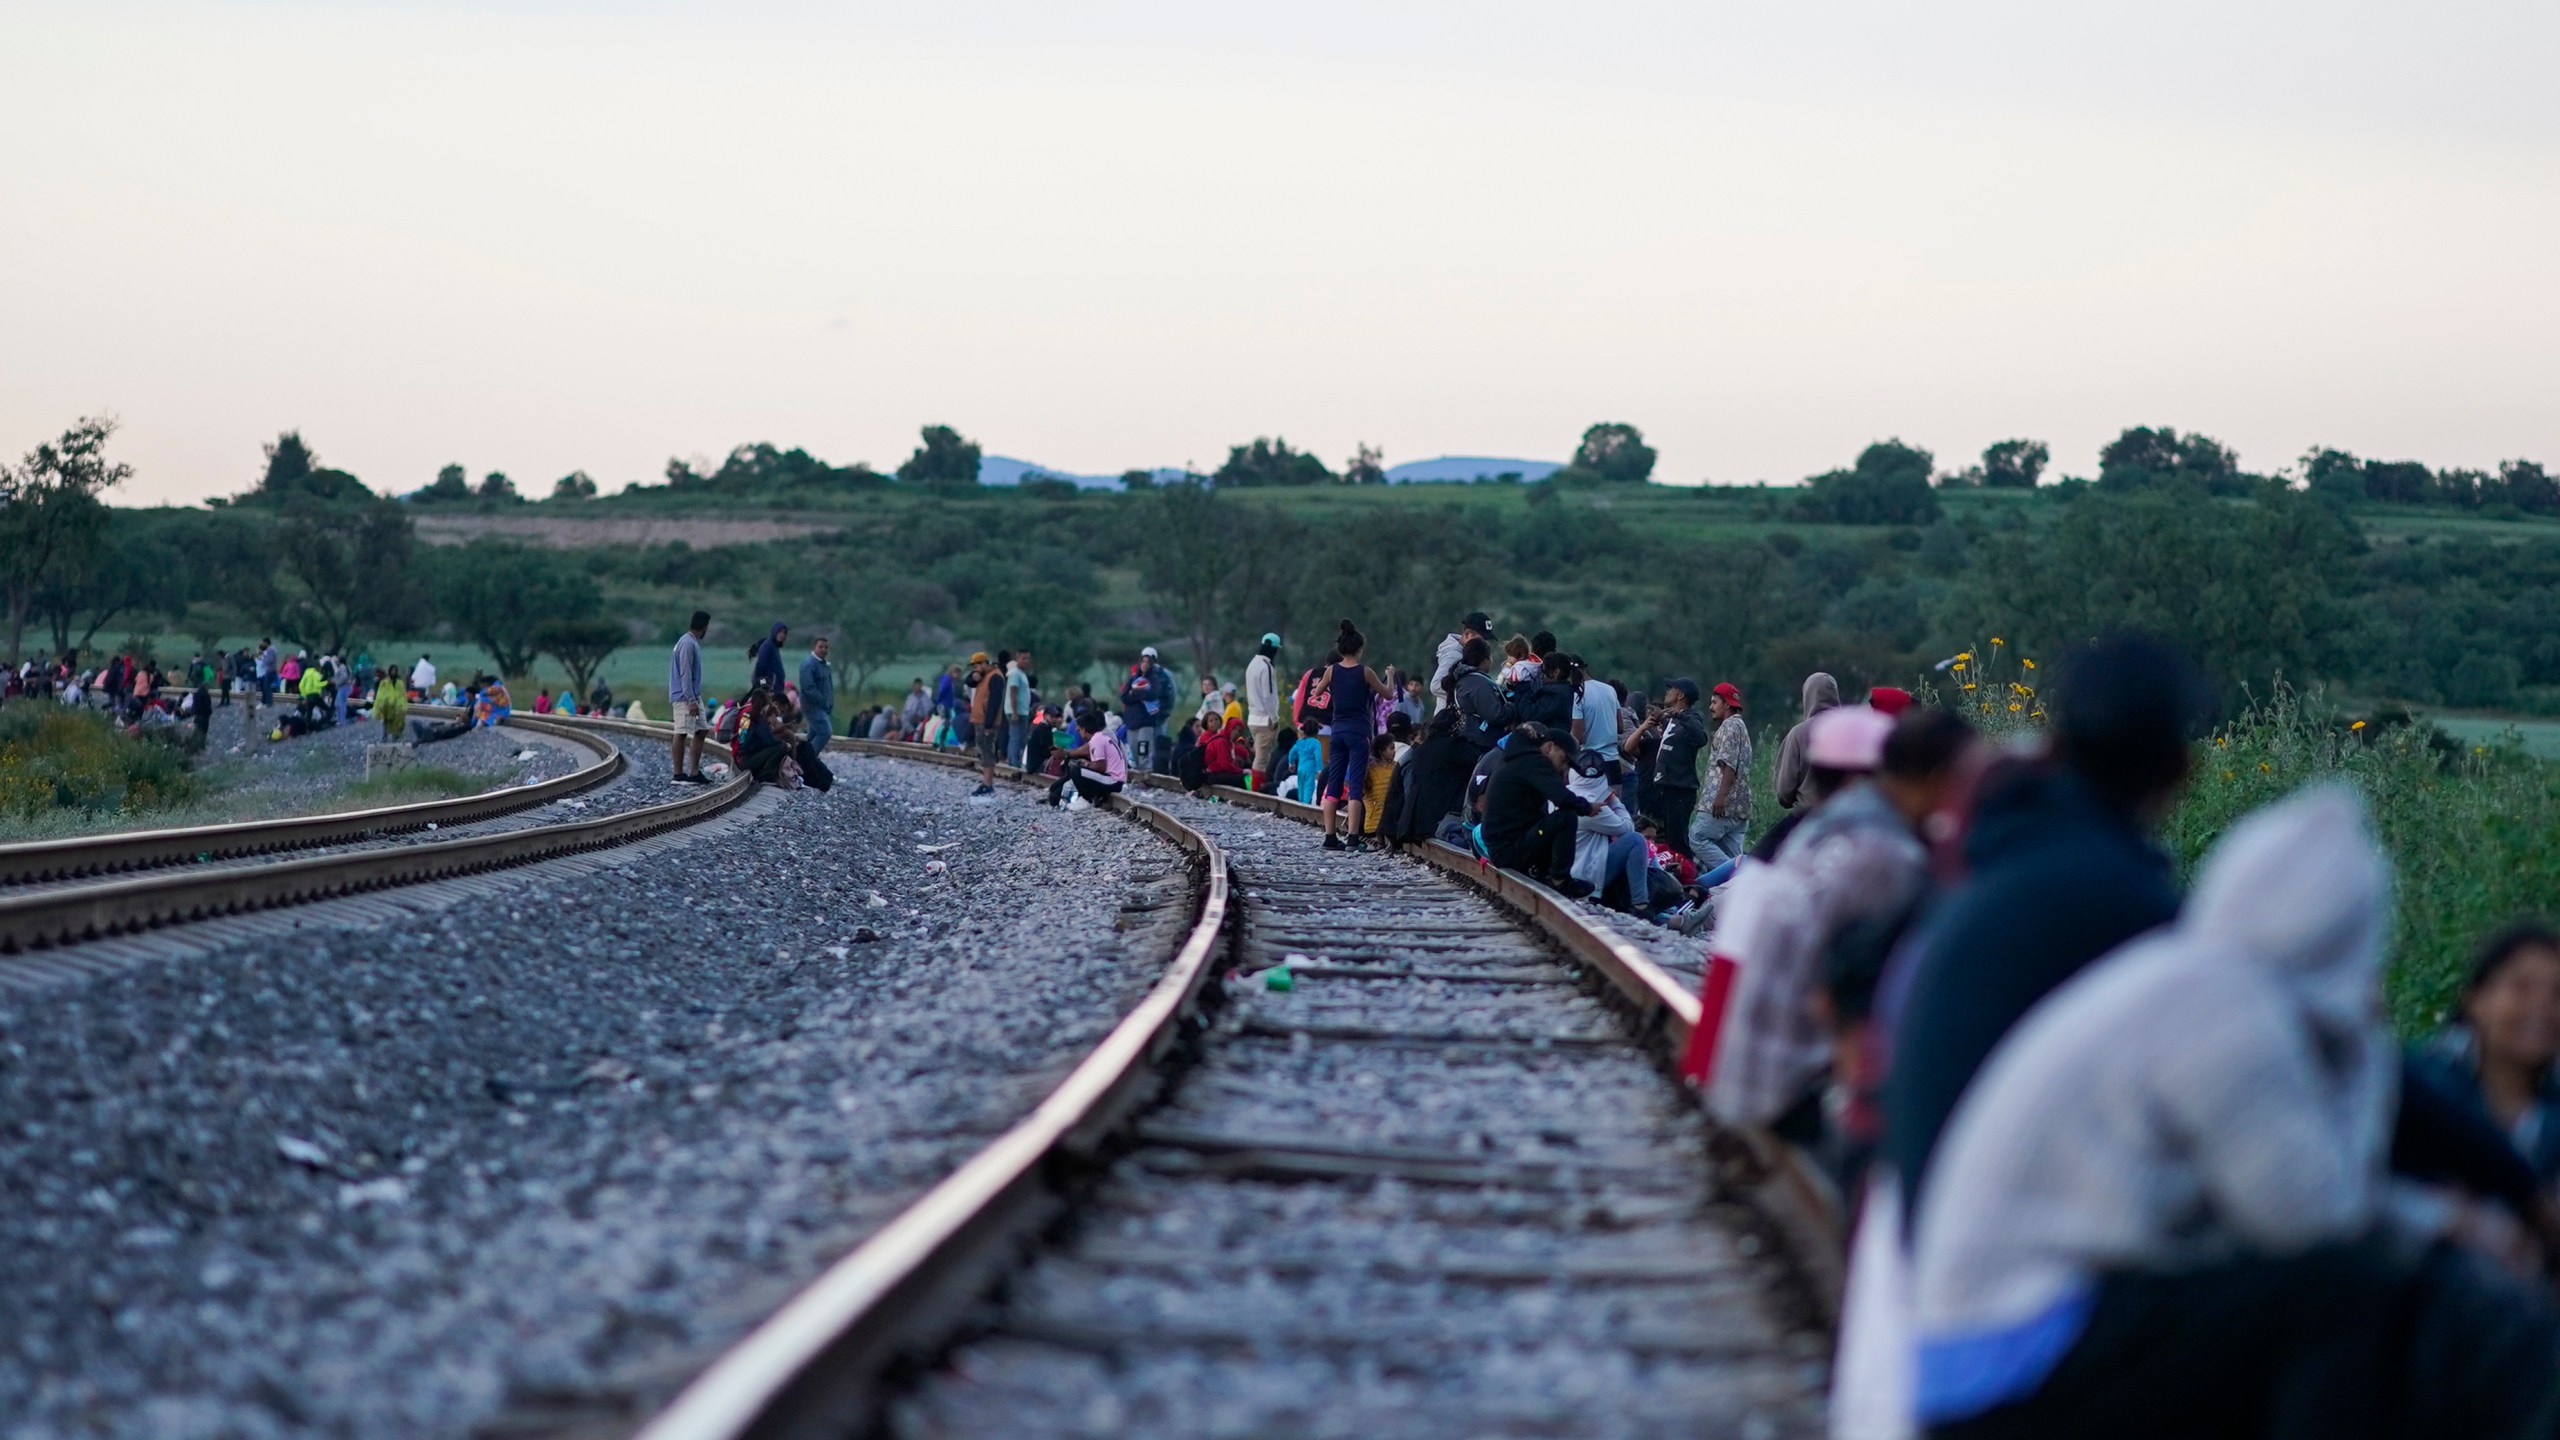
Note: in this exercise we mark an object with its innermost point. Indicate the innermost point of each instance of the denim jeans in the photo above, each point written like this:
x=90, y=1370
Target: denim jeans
x=1017, y=739
x=1714, y=839
x=1631, y=857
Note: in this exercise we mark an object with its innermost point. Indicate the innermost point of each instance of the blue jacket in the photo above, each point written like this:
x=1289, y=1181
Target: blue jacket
x=1148, y=695
x=817, y=684
x=768, y=668
x=2059, y=878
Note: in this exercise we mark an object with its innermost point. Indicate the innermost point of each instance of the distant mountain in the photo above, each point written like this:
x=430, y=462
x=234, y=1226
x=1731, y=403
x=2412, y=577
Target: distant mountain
x=1462, y=468
x=1459, y=469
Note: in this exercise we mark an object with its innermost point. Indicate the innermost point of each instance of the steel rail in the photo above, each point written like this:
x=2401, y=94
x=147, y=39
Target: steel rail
x=75, y=913
x=142, y=849
x=814, y=1369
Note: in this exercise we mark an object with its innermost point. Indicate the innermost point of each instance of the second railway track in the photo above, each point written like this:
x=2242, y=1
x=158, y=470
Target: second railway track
x=1442, y=1184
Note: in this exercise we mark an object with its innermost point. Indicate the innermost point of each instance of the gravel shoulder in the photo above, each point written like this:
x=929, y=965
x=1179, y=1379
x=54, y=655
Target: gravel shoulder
x=541, y=1155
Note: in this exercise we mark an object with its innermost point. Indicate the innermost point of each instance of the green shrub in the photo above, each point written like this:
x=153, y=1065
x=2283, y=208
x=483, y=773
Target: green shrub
x=55, y=757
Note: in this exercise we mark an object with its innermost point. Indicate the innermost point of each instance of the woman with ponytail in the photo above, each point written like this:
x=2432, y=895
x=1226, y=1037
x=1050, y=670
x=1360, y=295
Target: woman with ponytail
x=1352, y=689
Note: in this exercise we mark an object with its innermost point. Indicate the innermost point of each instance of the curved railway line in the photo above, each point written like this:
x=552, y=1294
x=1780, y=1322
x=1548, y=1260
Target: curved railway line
x=1443, y=1182
x=1438, y=1180
x=68, y=891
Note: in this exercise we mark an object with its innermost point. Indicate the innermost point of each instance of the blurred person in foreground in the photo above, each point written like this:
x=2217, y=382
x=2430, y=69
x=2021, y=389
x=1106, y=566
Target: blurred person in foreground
x=2164, y=1206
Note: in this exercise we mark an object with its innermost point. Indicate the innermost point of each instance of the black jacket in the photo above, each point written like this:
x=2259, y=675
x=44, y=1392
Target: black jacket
x=1431, y=785
x=1548, y=702
x=2059, y=878
x=1523, y=786
x=1675, y=756
x=1480, y=710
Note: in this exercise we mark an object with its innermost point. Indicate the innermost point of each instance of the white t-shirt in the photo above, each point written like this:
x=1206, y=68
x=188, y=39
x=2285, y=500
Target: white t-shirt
x=423, y=676
x=1598, y=710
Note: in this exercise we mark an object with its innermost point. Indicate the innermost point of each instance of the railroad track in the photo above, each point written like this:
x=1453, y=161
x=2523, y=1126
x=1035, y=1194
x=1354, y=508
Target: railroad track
x=1440, y=1184
x=175, y=884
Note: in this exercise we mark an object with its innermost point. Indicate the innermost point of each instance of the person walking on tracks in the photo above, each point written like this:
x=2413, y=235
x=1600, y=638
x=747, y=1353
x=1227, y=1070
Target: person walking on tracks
x=818, y=694
x=1352, y=691
x=684, y=699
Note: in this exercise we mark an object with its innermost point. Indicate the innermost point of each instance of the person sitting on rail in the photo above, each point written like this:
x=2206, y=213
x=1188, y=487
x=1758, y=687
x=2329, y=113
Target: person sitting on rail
x=1387, y=757
x=1608, y=854
x=2162, y=1206
x=1530, y=817
x=1097, y=768
x=1430, y=780
x=1213, y=759
x=1766, y=1060
x=495, y=706
x=542, y=700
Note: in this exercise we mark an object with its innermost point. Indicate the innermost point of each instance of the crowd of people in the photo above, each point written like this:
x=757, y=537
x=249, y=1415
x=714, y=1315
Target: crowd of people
x=2116, y=1161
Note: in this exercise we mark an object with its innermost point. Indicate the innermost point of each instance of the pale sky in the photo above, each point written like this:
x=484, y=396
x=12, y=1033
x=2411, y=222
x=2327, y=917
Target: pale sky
x=542, y=237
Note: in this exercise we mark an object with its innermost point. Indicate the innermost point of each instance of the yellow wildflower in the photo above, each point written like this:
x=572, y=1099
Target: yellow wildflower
x=1964, y=655
x=1969, y=685
x=2227, y=775
x=2263, y=765
x=2023, y=660
x=1996, y=640
x=2357, y=726
x=2015, y=707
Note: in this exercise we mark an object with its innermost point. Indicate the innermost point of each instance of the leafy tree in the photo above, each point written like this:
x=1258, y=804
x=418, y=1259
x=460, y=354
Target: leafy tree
x=1613, y=453
x=294, y=472
x=945, y=458
x=135, y=571
x=1888, y=486
x=2333, y=475
x=452, y=483
x=2399, y=482
x=1271, y=462
x=496, y=488
x=2526, y=486
x=1055, y=622
x=502, y=594
x=2015, y=464
x=576, y=485
x=339, y=567
x=874, y=618
x=2246, y=591
x=1364, y=467
x=1192, y=544
x=581, y=643
x=52, y=519
x=2143, y=458
x=1137, y=479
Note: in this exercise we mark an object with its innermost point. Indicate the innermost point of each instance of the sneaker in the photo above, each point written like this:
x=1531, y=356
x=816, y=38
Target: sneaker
x=1573, y=889
x=686, y=780
x=983, y=789
x=1359, y=844
x=1078, y=805
x=1334, y=842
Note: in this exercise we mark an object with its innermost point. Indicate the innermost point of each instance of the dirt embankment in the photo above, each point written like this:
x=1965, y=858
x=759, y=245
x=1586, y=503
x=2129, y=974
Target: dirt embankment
x=564, y=532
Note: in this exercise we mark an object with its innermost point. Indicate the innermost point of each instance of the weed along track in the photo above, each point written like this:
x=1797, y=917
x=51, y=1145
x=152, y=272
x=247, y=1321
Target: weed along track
x=1417, y=1170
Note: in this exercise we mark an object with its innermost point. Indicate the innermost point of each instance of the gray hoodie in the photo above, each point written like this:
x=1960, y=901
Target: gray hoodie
x=1821, y=693
x=2220, y=1087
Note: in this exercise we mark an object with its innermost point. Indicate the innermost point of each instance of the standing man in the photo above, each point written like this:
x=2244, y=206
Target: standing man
x=1717, y=835
x=1477, y=626
x=1595, y=726
x=767, y=670
x=1262, y=702
x=266, y=671
x=422, y=677
x=818, y=694
x=1671, y=790
x=986, y=714
x=1821, y=693
x=1017, y=710
x=684, y=698
x=1147, y=699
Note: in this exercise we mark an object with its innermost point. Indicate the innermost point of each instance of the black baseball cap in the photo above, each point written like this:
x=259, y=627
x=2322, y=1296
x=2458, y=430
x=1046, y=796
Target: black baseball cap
x=1688, y=687
x=1478, y=621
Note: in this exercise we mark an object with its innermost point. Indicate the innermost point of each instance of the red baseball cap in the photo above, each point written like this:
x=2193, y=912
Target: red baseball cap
x=1724, y=691
x=1891, y=699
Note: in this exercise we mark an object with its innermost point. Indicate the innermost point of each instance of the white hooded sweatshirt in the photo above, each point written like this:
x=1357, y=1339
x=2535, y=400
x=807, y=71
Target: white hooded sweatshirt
x=2221, y=1087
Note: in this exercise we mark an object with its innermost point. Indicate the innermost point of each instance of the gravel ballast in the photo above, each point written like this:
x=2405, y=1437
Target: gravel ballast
x=531, y=1163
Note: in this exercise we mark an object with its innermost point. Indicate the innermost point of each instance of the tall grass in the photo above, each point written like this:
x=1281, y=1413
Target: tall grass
x=2473, y=830
x=61, y=758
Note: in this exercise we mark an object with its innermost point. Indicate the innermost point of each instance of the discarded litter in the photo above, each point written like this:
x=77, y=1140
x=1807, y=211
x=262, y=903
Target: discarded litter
x=302, y=1152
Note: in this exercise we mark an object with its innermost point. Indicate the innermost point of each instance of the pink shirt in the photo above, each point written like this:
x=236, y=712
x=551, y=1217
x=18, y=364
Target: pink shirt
x=1108, y=759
